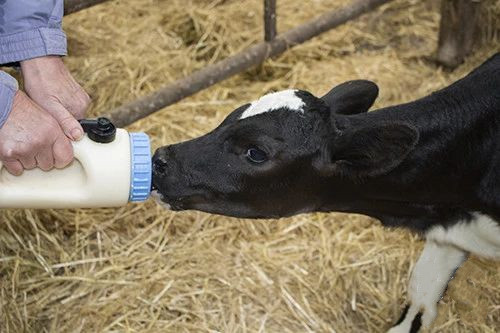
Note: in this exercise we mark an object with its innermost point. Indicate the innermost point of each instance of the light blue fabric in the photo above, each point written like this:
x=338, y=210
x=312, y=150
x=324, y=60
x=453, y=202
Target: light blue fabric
x=28, y=29
x=8, y=88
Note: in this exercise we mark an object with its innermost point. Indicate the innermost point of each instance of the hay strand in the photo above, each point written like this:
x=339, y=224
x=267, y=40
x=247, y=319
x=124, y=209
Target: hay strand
x=140, y=268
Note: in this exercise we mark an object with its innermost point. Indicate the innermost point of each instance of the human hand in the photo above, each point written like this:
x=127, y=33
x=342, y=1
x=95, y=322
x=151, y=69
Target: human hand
x=49, y=84
x=31, y=137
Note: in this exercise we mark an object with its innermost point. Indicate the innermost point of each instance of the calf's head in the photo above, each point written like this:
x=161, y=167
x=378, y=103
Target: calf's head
x=275, y=157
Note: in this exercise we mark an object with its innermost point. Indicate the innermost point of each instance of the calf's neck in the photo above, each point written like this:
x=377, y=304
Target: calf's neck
x=431, y=165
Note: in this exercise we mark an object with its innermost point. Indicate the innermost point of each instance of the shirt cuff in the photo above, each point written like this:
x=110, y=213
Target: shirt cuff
x=8, y=88
x=33, y=43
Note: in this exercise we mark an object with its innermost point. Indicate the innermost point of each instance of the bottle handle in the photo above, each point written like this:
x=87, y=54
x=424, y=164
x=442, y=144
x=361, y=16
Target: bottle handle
x=77, y=153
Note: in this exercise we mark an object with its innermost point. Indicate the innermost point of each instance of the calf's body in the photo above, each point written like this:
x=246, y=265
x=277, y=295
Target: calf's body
x=432, y=165
x=454, y=168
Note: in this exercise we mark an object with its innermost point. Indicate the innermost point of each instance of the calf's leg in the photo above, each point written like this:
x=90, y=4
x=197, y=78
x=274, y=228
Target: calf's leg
x=434, y=269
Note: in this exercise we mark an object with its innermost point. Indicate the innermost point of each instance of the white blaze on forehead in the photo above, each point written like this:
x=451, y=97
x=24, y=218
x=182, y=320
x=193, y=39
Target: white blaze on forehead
x=281, y=99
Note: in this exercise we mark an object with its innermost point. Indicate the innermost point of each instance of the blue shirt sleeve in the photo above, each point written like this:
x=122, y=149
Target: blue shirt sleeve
x=8, y=88
x=30, y=29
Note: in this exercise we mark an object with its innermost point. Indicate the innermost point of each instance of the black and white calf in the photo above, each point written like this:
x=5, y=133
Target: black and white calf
x=432, y=165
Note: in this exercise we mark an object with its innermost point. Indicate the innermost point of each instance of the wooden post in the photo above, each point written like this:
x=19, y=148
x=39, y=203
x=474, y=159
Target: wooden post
x=459, y=19
x=269, y=20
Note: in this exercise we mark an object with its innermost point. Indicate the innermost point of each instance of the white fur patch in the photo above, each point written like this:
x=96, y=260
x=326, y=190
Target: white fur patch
x=444, y=252
x=273, y=101
x=481, y=236
x=428, y=281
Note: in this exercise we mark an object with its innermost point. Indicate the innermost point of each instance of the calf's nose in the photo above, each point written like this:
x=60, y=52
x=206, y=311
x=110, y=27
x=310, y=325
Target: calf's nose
x=159, y=164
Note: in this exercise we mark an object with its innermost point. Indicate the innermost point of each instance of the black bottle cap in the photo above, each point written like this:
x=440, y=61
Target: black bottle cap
x=99, y=130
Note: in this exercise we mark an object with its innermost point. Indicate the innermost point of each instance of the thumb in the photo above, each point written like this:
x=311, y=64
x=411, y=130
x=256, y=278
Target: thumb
x=70, y=126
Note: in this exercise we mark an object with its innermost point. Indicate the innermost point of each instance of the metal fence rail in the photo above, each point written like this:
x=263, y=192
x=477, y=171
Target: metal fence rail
x=237, y=63
x=451, y=50
x=71, y=6
x=452, y=32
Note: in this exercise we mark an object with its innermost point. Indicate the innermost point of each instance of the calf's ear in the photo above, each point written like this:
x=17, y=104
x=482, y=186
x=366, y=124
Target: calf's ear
x=367, y=151
x=351, y=97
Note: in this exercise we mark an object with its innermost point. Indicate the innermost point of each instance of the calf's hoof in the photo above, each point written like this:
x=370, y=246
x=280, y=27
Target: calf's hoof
x=413, y=318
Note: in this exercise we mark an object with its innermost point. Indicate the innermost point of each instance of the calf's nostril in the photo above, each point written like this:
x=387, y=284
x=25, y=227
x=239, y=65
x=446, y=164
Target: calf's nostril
x=159, y=165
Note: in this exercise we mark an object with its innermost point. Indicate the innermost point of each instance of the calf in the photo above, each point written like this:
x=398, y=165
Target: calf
x=432, y=165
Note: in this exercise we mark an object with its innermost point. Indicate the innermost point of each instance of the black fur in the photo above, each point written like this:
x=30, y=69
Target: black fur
x=351, y=97
x=416, y=323
x=403, y=315
x=428, y=162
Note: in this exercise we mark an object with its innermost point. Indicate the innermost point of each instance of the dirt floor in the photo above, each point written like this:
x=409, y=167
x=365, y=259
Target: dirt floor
x=140, y=268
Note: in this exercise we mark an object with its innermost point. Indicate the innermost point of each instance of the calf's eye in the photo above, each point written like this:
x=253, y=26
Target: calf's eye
x=256, y=155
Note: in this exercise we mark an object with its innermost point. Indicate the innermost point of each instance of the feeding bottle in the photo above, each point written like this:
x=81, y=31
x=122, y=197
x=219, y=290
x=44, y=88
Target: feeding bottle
x=111, y=167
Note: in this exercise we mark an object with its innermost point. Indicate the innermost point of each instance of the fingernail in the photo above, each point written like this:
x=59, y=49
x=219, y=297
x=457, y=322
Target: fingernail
x=76, y=133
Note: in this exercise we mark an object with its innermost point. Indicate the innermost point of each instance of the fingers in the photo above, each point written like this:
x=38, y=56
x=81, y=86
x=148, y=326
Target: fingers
x=59, y=155
x=24, y=154
x=28, y=162
x=31, y=137
x=13, y=167
x=70, y=126
x=63, y=152
x=16, y=156
x=45, y=159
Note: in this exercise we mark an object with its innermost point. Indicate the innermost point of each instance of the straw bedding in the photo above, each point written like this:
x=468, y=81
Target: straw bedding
x=140, y=268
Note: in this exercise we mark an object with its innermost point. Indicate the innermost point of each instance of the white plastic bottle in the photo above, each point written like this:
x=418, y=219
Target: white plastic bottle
x=111, y=168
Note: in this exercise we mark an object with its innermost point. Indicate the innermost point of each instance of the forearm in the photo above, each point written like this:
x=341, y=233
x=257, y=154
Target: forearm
x=8, y=88
x=31, y=29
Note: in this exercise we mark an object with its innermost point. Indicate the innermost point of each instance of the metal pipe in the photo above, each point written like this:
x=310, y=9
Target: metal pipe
x=212, y=74
x=71, y=6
